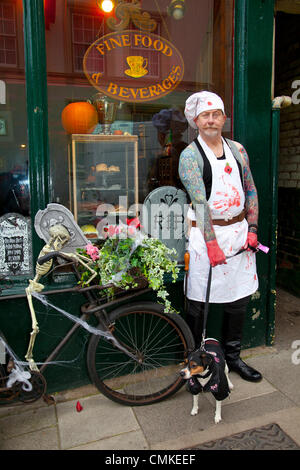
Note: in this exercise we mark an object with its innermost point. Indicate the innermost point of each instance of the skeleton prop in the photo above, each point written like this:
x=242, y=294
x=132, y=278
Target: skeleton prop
x=59, y=238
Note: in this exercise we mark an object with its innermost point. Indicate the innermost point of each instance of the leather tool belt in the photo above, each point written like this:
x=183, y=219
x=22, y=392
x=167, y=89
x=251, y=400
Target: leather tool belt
x=223, y=222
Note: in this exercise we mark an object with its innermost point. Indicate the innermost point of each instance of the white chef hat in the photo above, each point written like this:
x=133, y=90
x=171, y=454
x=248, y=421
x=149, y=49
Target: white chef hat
x=199, y=102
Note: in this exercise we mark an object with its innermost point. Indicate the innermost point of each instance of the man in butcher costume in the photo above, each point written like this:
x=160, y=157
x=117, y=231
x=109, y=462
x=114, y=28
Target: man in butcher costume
x=223, y=219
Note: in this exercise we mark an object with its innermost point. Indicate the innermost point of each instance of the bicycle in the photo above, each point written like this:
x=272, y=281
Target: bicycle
x=133, y=358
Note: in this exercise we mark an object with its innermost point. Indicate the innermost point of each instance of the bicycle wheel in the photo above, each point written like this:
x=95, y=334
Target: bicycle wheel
x=161, y=342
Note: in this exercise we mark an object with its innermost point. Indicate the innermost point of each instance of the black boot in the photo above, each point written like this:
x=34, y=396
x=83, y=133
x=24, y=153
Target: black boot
x=233, y=322
x=194, y=318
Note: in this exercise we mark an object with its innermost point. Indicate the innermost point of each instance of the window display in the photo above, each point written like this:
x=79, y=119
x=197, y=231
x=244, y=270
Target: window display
x=15, y=224
x=136, y=66
x=103, y=180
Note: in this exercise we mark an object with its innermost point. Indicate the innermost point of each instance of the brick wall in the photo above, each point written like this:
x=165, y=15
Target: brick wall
x=289, y=156
x=287, y=70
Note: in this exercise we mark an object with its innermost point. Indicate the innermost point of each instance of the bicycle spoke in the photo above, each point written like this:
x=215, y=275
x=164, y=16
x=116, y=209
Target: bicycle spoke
x=158, y=345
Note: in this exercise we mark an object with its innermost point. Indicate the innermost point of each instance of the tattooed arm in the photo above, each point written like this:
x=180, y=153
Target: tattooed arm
x=251, y=203
x=192, y=180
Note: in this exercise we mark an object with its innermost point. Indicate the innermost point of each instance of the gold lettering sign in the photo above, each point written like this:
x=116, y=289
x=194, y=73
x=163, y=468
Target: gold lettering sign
x=133, y=66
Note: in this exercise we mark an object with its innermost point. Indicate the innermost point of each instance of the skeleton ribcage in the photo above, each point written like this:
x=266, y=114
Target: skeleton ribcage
x=42, y=269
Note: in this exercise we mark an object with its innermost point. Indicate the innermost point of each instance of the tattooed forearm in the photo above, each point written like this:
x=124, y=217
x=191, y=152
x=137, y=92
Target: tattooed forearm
x=251, y=204
x=191, y=178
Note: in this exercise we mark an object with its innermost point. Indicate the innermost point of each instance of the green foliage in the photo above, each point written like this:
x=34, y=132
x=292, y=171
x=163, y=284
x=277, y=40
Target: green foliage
x=122, y=261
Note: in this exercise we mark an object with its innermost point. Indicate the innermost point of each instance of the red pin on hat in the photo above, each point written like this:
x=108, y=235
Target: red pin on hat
x=197, y=103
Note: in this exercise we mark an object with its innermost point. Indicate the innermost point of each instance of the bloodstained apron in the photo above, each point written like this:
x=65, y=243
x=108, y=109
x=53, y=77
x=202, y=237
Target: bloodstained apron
x=237, y=278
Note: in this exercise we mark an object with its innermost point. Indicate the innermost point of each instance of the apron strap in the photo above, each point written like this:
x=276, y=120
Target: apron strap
x=207, y=172
x=237, y=156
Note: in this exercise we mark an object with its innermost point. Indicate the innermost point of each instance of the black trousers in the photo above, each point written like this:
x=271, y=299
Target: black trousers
x=232, y=325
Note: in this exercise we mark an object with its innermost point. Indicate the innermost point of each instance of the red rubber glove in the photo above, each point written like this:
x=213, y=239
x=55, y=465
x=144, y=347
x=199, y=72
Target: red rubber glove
x=251, y=242
x=215, y=254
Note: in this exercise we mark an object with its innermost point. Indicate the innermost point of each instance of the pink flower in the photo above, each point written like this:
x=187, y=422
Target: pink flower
x=131, y=231
x=111, y=230
x=92, y=251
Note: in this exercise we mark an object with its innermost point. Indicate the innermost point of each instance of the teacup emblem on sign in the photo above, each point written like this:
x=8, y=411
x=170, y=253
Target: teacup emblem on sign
x=137, y=66
x=133, y=65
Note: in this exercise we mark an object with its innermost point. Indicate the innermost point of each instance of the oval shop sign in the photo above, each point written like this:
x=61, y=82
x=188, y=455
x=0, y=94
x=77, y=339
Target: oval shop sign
x=133, y=66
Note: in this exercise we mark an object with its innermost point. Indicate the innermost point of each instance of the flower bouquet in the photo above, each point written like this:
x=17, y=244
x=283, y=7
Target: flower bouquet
x=126, y=259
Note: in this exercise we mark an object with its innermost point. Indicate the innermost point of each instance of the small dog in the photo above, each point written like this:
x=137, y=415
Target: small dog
x=207, y=371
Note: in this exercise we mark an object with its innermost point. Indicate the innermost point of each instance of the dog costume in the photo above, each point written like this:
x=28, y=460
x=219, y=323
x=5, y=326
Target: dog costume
x=218, y=383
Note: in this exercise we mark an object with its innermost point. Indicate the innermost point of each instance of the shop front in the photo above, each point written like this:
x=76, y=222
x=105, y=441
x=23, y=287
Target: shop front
x=91, y=117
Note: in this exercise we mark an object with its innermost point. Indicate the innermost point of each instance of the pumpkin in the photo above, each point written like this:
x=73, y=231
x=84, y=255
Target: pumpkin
x=79, y=118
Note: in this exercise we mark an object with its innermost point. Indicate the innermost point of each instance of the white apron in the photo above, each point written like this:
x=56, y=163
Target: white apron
x=237, y=278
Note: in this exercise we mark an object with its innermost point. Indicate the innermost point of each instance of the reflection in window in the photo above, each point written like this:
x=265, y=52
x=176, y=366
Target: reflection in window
x=14, y=157
x=151, y=57
x=8, y=41
x=85, y=30
x=15, y=190
x=15, y=222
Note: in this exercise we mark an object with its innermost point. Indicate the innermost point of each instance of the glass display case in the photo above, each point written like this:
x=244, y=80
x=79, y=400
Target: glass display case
x=103, y=178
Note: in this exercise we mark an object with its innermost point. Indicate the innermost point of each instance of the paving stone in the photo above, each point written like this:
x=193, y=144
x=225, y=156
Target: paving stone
x=279, y=370
x=171, y=418
x=44, y=439
x=100, y=418
x=18, y=407
x=255, y=407
x=31, y=420
x=134, y=440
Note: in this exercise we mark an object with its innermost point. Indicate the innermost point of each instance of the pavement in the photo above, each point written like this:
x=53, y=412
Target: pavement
x=107, y=426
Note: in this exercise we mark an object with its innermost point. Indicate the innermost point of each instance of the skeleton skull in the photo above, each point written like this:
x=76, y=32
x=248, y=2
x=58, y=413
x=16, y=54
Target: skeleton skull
x=59, y=236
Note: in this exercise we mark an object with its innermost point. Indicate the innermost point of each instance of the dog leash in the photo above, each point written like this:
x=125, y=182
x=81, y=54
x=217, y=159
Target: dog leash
x=206, y=306
x=259, y=247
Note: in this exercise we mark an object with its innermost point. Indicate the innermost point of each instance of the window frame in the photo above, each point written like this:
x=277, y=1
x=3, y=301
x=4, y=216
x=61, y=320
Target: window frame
x=14, y=36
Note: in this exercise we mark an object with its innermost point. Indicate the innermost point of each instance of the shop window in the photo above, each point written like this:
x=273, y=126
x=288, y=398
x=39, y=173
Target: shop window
x=15, y=224
x=142, y=63
x=8, y=40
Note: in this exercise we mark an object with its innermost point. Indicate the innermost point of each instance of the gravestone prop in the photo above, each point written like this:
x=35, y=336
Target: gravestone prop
x=15, y=246
x=163, y=217
x=55, y=214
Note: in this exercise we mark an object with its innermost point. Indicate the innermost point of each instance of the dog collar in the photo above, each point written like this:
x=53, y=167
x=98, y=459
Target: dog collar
x=204, y=376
